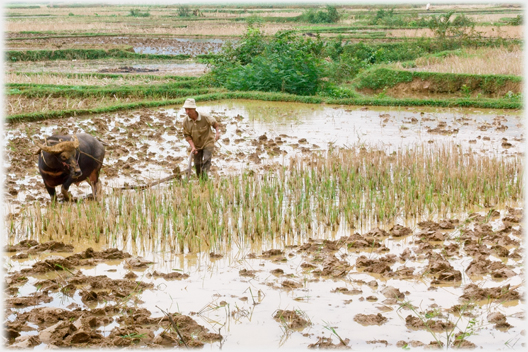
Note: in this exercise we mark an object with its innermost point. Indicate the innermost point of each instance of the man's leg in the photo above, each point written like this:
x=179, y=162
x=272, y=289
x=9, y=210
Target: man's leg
x=206, y=162
x=198, y=162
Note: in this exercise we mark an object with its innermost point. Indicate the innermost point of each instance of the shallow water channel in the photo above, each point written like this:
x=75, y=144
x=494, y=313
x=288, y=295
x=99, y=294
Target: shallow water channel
x=237, y=292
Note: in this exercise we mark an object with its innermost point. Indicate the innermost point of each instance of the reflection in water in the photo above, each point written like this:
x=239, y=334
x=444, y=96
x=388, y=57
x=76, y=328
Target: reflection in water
x=388, y=128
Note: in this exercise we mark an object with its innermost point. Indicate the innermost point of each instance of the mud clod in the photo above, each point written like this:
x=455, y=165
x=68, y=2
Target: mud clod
x=370, y=319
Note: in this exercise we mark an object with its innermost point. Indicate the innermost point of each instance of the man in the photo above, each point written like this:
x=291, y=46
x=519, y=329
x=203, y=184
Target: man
x=197, y=132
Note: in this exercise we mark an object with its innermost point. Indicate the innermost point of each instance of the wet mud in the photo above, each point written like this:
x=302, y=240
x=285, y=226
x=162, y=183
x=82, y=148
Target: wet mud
x=109, y=312
x=407, y=280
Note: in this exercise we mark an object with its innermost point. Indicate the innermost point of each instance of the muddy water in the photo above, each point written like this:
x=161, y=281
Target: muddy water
x=255, y=135
x=237, y=292
x=141, y=45
x=239, y=305
x=182, y=46
x=387, y=128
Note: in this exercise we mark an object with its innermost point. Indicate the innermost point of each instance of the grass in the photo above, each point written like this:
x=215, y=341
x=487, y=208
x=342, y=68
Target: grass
x=495, y=86
x=87, y=79
x=481, y=61
x=451, y=337
x=82, y=54
x=351, y=188
x=64, y=103
x=506, y=32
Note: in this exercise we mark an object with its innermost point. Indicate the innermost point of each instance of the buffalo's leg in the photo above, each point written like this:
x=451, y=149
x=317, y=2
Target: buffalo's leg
x=95, y=183
x=52, y=193
x=64, y=190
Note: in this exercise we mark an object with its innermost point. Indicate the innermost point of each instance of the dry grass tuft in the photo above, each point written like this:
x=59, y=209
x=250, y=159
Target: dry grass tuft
x=482, y=61
x=17, y=104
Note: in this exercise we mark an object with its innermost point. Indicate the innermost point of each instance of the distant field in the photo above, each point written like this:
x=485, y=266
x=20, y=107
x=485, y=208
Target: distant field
x=224, y=21
x=209, y=28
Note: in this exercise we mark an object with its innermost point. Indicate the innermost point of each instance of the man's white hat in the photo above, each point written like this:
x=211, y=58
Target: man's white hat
x=189, y=103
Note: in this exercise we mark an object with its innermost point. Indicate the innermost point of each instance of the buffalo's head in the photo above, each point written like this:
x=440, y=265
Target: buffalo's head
x=65, y=152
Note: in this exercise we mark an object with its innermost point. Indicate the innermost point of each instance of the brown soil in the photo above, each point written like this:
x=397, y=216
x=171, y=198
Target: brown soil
x=371, y=319
x=120, y=145
x=292, y=319
x=76, y=326
x=127, y=69
x=58, y=327
x=325, y=343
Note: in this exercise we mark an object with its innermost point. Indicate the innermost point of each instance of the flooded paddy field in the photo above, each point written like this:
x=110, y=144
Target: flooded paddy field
x=157, y=67
x=440, y=278
x=258, y=135
x=141, y=45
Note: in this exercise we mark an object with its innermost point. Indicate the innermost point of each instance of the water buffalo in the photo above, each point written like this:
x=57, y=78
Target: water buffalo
x=64, y=160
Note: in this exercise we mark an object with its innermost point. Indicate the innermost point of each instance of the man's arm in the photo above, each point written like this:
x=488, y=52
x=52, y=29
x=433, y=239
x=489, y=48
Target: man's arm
x=216, y=126
x=191, y=143
x=188, y=138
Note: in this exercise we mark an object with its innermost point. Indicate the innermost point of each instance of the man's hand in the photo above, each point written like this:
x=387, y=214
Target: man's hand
x=193, y=150
x=217, y=136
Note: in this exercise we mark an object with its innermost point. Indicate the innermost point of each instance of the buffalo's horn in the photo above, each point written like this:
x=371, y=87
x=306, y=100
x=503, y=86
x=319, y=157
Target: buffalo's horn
x=37, y=148
x=60, y=147
x=75, y=141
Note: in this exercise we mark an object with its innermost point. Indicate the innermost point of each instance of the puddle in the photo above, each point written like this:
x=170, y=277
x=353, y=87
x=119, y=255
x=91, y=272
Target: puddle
x=238, y=291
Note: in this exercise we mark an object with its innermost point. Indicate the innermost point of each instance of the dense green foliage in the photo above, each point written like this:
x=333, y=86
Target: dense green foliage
x=327, y=15
x=445, y=25
x=390, y=19
x=297, y=64
x=285, y=63
x=512, y=21
x=184, y=11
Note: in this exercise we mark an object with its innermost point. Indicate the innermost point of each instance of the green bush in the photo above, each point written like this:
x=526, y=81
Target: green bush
x=294, y=73
x=139, y=13
x=388, y=18
x=184, y=11
x=285, y=63
x=444, y=26
x=328, y=15
x=254, y=20
x=347, y=67
x=250, y=45
x=516, y=21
